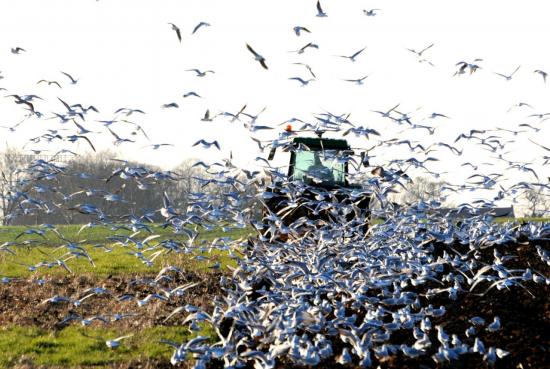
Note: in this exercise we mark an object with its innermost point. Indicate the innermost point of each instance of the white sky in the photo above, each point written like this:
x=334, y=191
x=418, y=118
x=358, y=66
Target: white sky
x=126, y=55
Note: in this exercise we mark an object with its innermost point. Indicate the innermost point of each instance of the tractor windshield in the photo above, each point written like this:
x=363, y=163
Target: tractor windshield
x=319, y=167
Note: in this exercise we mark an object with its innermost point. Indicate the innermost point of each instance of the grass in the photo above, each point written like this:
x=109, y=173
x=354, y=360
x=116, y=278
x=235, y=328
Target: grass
x=109, y=257
x=79, y=346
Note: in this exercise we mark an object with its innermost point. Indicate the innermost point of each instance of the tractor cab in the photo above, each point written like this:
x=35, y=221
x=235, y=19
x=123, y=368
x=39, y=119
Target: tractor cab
x=322, y=165
x=319, y=161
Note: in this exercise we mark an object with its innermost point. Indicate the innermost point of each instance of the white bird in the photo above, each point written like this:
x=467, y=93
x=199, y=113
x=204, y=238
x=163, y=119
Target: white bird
x=320, y=12
x=207, y=144
x=508, y=77
x=542, y=73
x=114, y=343
x=177, y=30
x=299, y=29
x=358, y=81
x=495, y=325
x=370, y=12
x=257, y=56
x=352, y=56
x=302, y=81
x=201, y=24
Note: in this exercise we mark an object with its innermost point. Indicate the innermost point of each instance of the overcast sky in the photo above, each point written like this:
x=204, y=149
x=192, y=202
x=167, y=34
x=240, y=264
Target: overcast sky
x=125, y=54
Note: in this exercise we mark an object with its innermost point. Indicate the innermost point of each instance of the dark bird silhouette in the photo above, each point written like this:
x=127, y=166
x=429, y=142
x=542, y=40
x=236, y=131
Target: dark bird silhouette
x=177, y=29
x=257, y=56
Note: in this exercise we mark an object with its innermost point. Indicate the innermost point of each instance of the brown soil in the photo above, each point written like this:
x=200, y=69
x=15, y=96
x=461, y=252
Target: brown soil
x=524, y=312
x=22, y=301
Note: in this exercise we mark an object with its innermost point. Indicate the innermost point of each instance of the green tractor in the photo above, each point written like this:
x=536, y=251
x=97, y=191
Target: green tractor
x=316, y=190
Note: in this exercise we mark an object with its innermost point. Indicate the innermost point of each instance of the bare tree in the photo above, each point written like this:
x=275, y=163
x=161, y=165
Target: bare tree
x=423, y=189
x=537, y=202
x=12, y=161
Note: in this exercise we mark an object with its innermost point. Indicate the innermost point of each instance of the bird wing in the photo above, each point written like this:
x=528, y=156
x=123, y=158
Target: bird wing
x=90, y=142
x=319, y=9
x=70, y=77
x=358, y=52
x=252, y=50
x=64, y=103
x=544, y=147
x=424, y=49
x=262, y=62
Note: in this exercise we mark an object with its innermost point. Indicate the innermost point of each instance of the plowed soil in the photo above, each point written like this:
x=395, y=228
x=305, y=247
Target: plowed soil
x=524, y=312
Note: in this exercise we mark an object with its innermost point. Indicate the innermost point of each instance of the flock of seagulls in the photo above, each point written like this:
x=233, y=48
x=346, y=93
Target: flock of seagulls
x=328, y=293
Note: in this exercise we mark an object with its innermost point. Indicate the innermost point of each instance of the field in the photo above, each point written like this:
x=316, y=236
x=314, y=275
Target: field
x=30, y=331
x=37, y=334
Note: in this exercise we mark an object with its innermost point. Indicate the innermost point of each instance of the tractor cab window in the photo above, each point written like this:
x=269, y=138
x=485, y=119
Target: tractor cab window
x=319, y=167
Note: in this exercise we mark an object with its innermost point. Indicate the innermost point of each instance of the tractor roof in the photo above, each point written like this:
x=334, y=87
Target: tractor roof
x=315, y=143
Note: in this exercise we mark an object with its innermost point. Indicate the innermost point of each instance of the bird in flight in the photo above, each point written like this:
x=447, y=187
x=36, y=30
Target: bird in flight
x=308, y=68
x=198, y=72
x=257, y=56
x=302, y=81
x=170, y=105
x=462, y=65
x=299, y=29
x=207, y=144
x=73, y=81
x=508, y=77
x=17, y=50
x=49, y=82
x=177, y=29
x=542, y=73
x=419, y=53
x=201, y=24
x=320, y=12
x=192, y=93
x=353, y=56
x=309, y=44
x=358, y=81
x=370, y=12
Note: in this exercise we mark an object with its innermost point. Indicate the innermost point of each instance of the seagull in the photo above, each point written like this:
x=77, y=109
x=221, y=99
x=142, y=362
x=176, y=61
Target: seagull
x=75, y=138
x=308, y=68
x=436, y=115
x=358, y=81
x=170, y=105
x=114, y=343
x=201, y=24
x=509, y=77
x=206, y=117
x=49, y=82
x=178, y=32
x=542, y=73
x=73, y=81
x=320, y=12
x=463, y=65
x=302, y=81
x=310, y=44
x=353, y=56
x=206, y=144
x=128, y=111
x=118, y=139
x=157, y=146
x=257, y=56
x=370, y=12
x=17, y=50
x=198, y=72
x=299, y=29
x=419, y=53
x=192, y=93
x=519, y=105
